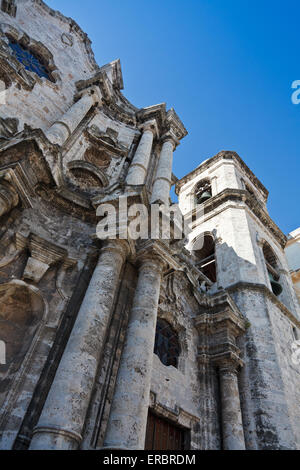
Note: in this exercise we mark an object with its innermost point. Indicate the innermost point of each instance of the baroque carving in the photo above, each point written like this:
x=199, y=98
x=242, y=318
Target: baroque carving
x=86, y=175
x=9, y=7
x=67, y=39
x=8, y=128
x=13, y=68
x=97, y=157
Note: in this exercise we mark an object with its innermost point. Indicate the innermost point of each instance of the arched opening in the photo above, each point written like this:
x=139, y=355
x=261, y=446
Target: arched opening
x=272, y=268
x=206, y=258
x=166, y=346
x=21, y=310
x=203, y=191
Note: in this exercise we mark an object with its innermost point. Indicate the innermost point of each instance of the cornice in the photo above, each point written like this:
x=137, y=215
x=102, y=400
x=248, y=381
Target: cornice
x=31, y=176
x=244, y=286
x=174, y=125
x=241, y=195
x=223, y=155
x=156, y=112
x=73, y=27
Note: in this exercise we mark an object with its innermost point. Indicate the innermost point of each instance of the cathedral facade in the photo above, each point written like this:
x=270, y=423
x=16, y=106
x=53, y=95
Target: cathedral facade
x=129, y=343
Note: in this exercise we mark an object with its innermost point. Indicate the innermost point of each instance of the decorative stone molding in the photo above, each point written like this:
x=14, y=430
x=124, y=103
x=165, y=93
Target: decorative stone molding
x=73, y=28
x=9, y=7
x=105, y=140
x=158, y=249
x=8, y=197
x=263, y=289
x=150, y=126
x=155, y=113
x=174, y=126
x=97, y=157
x=43, y=254
x=14, y=69
x=176, y=415
x=217, y=158
x=67, y=39
x=20, y=184
x=86, y=175
x=8, y=128
x=219, y=324
x=100, y=80
x=237, y=196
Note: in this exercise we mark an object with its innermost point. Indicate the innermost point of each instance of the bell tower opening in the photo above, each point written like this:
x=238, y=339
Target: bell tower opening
x=272, y=268
x=206, y=258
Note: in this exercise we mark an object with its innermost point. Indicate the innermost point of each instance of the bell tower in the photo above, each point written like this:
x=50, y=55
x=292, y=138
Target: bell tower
x=238, y=247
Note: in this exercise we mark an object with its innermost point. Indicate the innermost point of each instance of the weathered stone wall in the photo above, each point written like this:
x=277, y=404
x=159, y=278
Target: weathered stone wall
x=269, y=381
x=55, y=290
x=178, y=389
x=79, y=315
x=72, y=57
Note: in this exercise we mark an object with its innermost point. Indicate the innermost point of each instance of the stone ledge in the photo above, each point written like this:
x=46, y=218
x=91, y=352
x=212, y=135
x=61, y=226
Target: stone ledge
x=240, y=286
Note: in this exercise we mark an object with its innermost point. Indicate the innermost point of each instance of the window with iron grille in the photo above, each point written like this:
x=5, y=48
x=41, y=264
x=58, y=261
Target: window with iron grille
x=31, y=62
x=166, y=345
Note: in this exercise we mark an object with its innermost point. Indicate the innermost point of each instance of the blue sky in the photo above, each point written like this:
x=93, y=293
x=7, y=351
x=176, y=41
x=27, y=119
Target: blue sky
x=226, y=66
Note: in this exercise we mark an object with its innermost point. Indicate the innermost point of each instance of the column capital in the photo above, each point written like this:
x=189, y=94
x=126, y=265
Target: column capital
x=158, y=252
x=116, y=245
x=92, y=91
x=229, y=363
x=170, y=137
x=151, y=261
x=151, y=126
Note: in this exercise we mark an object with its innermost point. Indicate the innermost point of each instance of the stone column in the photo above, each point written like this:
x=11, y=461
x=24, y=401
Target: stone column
x=139, y=166
x=128, y=416
x=61, y=130
x=8, y=198
x=232, y=426
x=63, y=416
x=163, y=177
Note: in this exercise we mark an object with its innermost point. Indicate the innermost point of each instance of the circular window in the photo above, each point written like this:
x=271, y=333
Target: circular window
x=166, y=345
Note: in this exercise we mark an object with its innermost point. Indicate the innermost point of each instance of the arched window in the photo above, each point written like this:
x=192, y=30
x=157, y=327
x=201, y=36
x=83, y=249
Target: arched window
x=31, y=61
x=203, y=191
x=166, y=345
x=272, y=267
x=206, y=259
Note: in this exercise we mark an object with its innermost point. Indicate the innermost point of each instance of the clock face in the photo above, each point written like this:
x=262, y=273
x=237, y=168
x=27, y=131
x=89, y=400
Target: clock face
x=30, y=61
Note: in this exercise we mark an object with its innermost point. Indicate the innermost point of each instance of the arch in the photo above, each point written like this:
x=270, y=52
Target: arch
x=166, y=346
x=273, y=266
x=205, y=258
x=87, y=175
x=203, y=191
x=21, y=311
